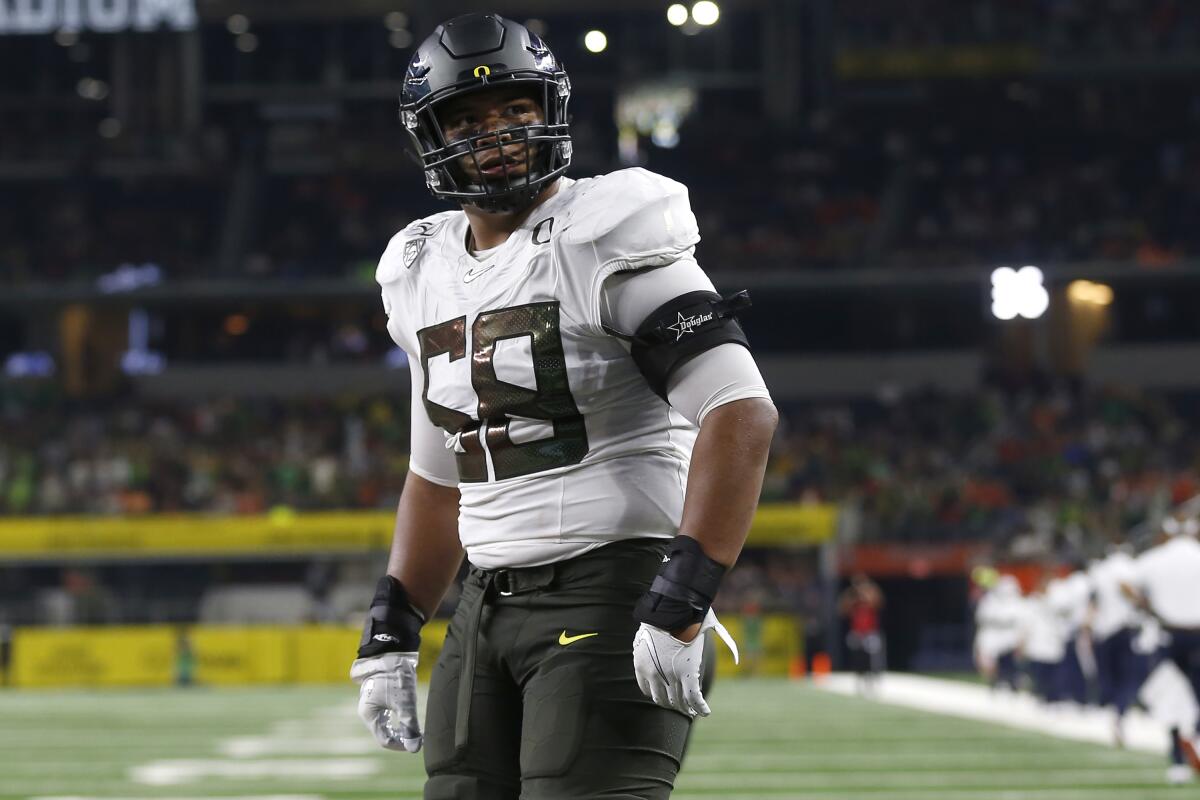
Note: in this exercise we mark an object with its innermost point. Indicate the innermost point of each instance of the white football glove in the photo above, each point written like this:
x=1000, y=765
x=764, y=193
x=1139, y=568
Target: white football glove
x=668, y=670
x=387, y=699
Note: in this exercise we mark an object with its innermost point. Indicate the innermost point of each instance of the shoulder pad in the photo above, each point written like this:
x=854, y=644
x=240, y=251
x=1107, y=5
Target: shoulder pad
x=634, y=216
x=407, y=246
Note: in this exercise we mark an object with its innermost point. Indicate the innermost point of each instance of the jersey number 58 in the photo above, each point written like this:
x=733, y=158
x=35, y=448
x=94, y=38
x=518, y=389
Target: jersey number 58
x=500, y=401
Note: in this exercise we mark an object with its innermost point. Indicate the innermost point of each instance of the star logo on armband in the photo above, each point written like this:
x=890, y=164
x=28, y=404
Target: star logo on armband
x=689, y=324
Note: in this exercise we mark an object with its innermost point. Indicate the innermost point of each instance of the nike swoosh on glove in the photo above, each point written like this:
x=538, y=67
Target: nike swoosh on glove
x=668, y=670
x=387, y=699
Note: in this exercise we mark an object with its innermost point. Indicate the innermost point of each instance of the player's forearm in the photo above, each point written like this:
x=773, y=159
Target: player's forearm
x=426, y=552
x=726, y=476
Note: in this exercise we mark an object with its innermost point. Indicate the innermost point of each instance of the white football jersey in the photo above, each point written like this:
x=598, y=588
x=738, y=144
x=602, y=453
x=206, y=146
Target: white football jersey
x=998, y=620
x=1070, y=598
x=1113, y=610
x=1169, y=575
x=1043, y=636
x=560, y=444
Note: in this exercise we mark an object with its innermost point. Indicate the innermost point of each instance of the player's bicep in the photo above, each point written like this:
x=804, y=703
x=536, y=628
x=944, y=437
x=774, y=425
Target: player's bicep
x=713, y=378
x=428, y=454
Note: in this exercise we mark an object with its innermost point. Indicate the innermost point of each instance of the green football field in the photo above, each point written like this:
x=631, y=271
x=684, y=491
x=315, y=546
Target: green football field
x=766, y=739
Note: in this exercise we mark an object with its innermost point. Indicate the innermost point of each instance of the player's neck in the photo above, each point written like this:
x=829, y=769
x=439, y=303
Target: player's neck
x=490, y=230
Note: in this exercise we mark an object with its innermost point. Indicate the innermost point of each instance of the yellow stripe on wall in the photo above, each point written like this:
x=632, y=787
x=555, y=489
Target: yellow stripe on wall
x=284, y=532
x=158, y=655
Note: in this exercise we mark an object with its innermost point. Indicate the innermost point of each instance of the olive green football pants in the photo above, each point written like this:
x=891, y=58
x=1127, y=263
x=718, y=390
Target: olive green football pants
x=534, y=695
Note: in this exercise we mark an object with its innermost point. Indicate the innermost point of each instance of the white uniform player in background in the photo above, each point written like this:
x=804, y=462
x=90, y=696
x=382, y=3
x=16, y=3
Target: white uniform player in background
x=1165, y=581
x=1043, y=644
x=998, y=627
x=1113, y=623
x=1070, y=597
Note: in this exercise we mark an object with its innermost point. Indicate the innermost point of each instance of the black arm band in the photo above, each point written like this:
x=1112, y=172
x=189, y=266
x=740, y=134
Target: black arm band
x=393, y=625
x=684, y=588
x=685, y=327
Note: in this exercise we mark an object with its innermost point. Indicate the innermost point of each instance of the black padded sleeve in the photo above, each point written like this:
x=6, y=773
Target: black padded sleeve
x=682, y=328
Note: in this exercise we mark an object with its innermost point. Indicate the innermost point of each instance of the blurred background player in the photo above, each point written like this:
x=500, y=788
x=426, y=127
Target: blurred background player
x=1044, y=644
x=861, y=604
x=998, y=633
x=1112, y=626
x=1165, y=581
x=1069, y=597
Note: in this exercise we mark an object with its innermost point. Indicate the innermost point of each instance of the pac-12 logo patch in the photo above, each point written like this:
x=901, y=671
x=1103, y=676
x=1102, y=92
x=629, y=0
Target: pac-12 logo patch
x=412, y=249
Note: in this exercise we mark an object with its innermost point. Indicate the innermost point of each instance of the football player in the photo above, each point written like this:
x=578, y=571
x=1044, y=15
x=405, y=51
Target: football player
x=861, y=603
x=1044, y=643
x=588, y=426
x=998, y=632
x=1112, y=625
x=1070, y=598
x=1163, y=582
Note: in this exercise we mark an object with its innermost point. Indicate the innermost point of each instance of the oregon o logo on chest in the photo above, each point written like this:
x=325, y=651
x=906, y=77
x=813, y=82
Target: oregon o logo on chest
x=482, y=71
x=541, y=233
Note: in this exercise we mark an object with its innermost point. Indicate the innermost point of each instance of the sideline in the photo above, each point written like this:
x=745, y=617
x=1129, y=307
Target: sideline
x=1002, y=707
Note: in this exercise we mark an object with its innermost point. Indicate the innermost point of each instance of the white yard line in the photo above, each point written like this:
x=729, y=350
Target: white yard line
x=326, y=740
x=1120, y=793
x=260, y=746
x=207, y=797
x=970, y=701
x=192, y=770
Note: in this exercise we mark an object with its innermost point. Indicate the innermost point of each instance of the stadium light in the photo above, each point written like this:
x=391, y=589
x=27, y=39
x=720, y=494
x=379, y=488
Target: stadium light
x=1096, y=294
x=395, y=20
x=665, y=134
x=400, y=39
x=677, y=14
x=706, y=13
x=92, y=89
x=246, y=42
x=34, y=364
x=236, y=324
x=595, y=41
x=1019, y=293
x=237, y=24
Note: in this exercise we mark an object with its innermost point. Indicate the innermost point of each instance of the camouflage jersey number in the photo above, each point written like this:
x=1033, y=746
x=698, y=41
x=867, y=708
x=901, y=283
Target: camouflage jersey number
x=500, y=401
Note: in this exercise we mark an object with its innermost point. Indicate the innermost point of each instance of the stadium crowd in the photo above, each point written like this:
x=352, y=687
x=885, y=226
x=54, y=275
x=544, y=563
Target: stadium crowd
x=924, y=172
x=222, y=456
x=1056, y=26
x=1037, y=473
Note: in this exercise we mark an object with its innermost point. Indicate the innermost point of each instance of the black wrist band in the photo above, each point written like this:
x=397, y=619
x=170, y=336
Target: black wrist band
x=684, y=589
x=393, y=624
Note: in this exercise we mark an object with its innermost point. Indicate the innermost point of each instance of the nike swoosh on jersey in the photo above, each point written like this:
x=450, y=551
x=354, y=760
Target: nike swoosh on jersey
x=565, y=640
x=473, y=273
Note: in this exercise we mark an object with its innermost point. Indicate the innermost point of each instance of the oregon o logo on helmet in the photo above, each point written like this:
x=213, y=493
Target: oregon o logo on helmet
x=482, y=71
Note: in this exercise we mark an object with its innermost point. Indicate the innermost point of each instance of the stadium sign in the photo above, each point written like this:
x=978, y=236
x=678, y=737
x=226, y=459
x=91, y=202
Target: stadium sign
x=103, y=16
